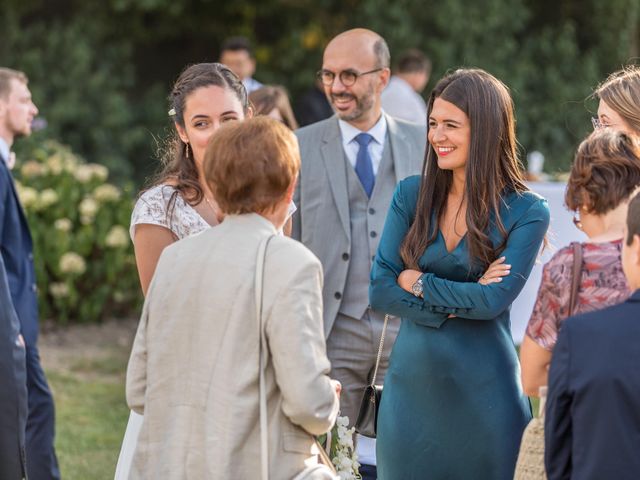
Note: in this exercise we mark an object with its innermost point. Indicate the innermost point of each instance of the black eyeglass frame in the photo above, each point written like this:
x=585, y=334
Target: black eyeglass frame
x=344, y=75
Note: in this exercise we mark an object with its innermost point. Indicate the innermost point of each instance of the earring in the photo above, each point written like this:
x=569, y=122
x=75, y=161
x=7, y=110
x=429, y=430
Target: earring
x=186, y=150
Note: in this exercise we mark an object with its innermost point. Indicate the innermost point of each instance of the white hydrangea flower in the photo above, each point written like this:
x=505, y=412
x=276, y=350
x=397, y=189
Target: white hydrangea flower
x=47, y=198
x=28, y=196
x=82, y=173
x=117, y=237
x=99, y=171
x=59, y=289
x=72, y=263
x=32, y=169
x=106, y=193
x=63, y=224
x=88, y=208
x=55, y=164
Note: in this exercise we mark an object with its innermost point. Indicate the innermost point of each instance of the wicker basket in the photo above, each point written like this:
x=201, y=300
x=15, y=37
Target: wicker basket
x=530, y=465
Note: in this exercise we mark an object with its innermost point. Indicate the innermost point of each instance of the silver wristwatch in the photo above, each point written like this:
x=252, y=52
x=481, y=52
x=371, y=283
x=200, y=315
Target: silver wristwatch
x=416, y=288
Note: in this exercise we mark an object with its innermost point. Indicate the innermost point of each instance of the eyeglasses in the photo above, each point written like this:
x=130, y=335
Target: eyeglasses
x=347, y=77
x=597, y=124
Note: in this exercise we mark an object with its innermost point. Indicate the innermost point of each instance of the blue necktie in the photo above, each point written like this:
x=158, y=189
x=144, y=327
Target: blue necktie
x=364, y=166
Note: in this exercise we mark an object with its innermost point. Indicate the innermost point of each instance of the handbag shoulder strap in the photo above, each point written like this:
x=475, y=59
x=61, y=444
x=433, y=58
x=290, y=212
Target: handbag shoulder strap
x=380, y=346
x=576, y=276
x=262, y=355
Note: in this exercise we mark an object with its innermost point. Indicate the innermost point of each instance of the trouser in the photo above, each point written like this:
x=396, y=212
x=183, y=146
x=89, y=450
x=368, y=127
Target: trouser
x=352, y=348
x=42, y=463
x=13, y=408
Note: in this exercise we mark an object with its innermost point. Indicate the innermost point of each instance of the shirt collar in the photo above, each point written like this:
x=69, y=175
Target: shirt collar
x=378, y=131
x=4, y=151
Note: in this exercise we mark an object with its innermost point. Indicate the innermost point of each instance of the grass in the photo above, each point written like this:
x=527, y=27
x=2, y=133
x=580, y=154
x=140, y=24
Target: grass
x=91, y=416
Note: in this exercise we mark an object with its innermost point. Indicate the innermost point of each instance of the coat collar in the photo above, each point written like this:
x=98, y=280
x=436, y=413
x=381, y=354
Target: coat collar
x=635, y=296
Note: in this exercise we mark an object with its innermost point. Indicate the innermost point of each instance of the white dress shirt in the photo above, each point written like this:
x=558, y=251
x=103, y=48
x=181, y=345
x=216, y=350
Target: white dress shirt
x=401, y=101
x=376, y=147
x=5, y=152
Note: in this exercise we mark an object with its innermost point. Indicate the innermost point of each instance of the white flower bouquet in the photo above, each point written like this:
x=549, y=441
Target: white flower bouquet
x=339, y=445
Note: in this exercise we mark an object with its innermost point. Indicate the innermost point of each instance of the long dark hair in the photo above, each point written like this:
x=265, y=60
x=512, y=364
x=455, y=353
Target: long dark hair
x=492, y=169
x=178, y=163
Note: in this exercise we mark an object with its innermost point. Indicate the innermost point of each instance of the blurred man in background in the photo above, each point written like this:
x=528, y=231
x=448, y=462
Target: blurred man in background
x=17, y=111
x=401, y=98
x=236, y=53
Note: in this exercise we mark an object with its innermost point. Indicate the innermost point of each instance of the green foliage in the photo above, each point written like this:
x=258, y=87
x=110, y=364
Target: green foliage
x=83, y=257
x=100, y=71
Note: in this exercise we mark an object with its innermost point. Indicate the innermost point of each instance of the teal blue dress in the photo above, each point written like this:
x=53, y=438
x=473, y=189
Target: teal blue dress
x=453, y=406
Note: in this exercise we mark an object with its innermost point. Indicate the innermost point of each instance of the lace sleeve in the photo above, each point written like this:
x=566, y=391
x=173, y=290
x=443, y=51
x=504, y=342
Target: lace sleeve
x=152, y=208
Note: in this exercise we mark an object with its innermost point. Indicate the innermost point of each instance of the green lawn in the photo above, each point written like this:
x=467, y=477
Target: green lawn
x=91, y=416
x=91, y=411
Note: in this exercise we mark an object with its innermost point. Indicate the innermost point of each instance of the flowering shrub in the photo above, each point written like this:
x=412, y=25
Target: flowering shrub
x=84, y=259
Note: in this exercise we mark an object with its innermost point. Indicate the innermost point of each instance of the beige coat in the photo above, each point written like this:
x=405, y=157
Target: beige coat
x=193, y=371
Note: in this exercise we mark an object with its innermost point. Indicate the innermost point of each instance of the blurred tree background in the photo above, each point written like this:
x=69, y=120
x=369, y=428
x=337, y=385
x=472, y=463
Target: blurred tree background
x=100, y=71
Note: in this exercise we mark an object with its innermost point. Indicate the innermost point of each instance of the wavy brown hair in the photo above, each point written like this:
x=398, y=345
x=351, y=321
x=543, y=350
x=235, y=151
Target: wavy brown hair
x=492, y=169
x=178, y=164
x=605, y=172
x=621, y=91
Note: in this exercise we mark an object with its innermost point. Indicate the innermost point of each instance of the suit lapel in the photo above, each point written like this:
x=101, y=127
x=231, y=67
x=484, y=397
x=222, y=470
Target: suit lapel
x=400, y=148
x=333, y=157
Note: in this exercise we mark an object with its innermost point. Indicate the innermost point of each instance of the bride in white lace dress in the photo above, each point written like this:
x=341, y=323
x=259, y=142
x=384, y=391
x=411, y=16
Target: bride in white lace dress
x=180, y=204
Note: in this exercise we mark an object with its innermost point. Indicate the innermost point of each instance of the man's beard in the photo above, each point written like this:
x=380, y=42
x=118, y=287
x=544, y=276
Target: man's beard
x=363, y=105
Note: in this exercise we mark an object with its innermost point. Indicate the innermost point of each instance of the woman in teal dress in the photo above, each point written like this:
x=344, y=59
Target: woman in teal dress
x=458, y=245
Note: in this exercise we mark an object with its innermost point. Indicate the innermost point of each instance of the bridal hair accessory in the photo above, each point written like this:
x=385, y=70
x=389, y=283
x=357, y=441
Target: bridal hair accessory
x=172, y=112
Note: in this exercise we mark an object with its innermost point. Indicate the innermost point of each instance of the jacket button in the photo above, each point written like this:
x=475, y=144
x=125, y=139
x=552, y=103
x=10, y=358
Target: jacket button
x=345, y=256
x=30, y=256
x=372, y=211
x=34, y=287
x=338, y=295
x=373, y=234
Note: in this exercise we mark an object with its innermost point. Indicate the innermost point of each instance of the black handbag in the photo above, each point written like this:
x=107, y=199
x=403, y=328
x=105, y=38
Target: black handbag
x=367, y=421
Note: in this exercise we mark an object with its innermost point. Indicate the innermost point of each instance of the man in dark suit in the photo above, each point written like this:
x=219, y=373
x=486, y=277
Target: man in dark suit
x=17, y=111
x=592, y=423
x=13, y=394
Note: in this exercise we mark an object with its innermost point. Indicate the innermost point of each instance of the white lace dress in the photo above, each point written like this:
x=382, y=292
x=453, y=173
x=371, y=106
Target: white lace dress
x=152, y=208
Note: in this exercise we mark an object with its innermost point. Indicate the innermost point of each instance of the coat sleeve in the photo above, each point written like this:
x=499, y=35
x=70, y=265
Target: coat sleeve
x=295, y=336
x=468, y=300
x=385, y=294
x=557, y=423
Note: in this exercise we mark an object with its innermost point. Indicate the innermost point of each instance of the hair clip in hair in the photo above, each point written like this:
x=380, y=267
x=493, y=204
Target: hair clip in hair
x=172, y=112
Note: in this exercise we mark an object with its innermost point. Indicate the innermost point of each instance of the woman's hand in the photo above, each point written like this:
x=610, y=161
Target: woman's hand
x=407, y=278
x=495, y=272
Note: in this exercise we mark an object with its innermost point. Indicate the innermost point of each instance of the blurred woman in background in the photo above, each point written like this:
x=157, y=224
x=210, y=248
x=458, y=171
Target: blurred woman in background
x=605, y=172
x=619, y=97
x=273, y=101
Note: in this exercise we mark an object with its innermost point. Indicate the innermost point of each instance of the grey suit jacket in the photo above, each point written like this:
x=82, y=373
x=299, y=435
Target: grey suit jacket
x=322, y=220
x=193, y=370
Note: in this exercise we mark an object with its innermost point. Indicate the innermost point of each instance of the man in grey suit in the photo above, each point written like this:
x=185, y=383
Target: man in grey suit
x=351, y=164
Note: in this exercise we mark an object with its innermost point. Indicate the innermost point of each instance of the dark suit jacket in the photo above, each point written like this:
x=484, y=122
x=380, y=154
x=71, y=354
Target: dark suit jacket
x=592, y=424
x=13, y=392
x=16, y=248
